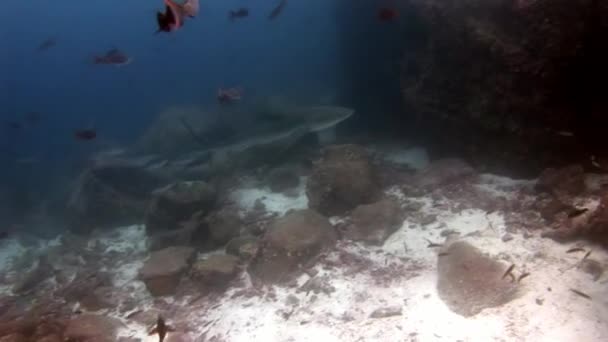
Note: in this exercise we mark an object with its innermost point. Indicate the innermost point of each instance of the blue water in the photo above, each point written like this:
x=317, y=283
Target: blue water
x=296, y=55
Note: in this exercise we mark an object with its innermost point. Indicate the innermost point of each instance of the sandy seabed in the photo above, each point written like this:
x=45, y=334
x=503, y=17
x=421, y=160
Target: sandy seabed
x=400, y=274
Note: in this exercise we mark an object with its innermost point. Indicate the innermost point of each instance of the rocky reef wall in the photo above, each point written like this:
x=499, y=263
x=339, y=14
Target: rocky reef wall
x=510, y=83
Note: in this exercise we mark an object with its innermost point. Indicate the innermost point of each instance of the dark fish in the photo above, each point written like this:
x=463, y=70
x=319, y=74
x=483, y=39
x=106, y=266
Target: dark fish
x=433, y=244
x=387, y=14
x=442, y=254
x=229, y=95
x=85, y=134
x=576, y=212
x=13, y=125
x=576, y=249
x=112, y=57
x=508, y=271
x=3, y=235
x=277, y=10
x=47, y=44
x=238, y=14
x=175, y=14
x=161, y=329
x=524, y=275
x=582, y=294
x=586, y=256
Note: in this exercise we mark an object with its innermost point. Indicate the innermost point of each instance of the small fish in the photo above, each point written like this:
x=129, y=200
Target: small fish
x=229, y=95
x=522, y=276
x=85, y=134
x=565, y=133
x=442, y=254
x=576, y=249
x=387, y=14
x=508, y=271
x=112, y=57
x=3, y=235
x=574, y=212
x=161, y=329
x=580, y=293
x=46, y=44
x=586, y=256
x=433, y=244
x=277, y=10
x=238, y=14
x=175, y=14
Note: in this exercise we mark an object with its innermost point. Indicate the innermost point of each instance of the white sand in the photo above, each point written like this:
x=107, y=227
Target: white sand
x=344, y=314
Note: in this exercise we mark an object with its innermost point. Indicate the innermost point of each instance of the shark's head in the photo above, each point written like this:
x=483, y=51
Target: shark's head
x=323, y=120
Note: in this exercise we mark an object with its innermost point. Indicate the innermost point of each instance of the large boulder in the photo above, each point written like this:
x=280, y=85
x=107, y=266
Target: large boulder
x=93, y=328
x=111, y=195
x=216, y=271
x=163, y=270
x=439, y=173
x=177, y=203
x=374, y=223
x=568, y=180
x=469, y=281
x=291, y=243
x=341, y=180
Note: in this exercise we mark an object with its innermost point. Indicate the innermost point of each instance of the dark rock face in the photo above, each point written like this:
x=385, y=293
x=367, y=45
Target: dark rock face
x=375, y=222
x=223, y=224
x=110, y=196
x=215, y=271
x=293, y=241
x=163, y=270
x=511, y=84
x=469, y=281
x=569, y=180
x=283, y=178
x=93, y=328
x=341, y=180
x=177, y=203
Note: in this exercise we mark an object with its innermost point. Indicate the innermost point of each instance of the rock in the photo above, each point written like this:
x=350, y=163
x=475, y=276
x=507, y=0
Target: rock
x=283, y=178
x=223, y=224
x=177, y=203
x=14, y=338
x=342, y=179
x=93, y=328
x=318, y=285
x=50, y=338
x=100, y=298
x=33, y=279
x=469, y=281
x=184, y=236
x=110, y=195
x=471, y=102
x=291, y=243
x=592, y=267
x=163, y=270
x=244, y=247
x=386, y=312
x=83, y=288
x=590, y=224
x=439, y=173
x=375, y=222
x=569, y=180
x=216, y=271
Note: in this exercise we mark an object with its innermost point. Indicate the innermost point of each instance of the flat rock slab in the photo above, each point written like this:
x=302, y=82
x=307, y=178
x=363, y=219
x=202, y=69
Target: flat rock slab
x=469, y=281
x=162, y=271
